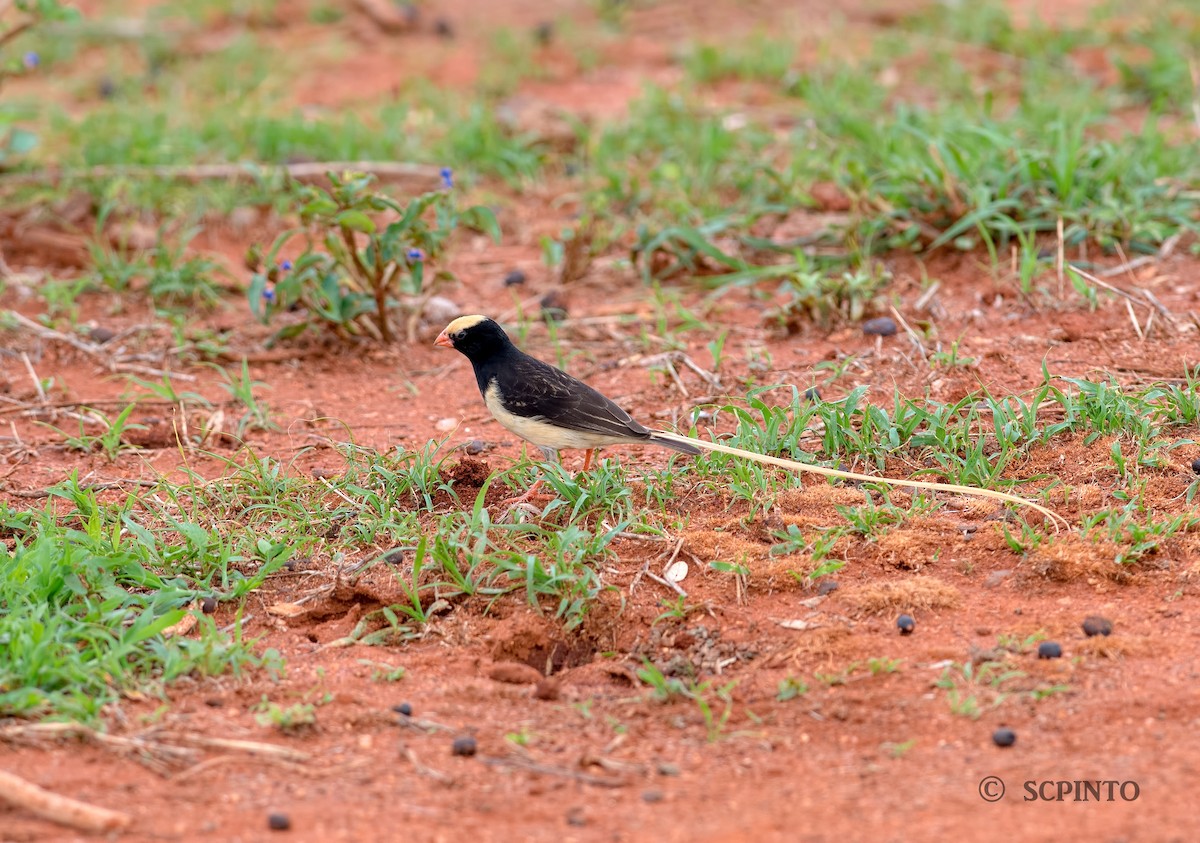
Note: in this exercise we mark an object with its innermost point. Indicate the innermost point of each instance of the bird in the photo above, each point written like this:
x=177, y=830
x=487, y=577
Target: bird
x=544, y=405
x=541, y=403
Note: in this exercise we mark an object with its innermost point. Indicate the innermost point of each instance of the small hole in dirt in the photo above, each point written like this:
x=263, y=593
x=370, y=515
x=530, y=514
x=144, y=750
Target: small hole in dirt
x=312, y=636
x=558, y=655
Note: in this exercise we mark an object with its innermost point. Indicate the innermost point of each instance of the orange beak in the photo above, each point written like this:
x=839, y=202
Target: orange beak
x=443, y=340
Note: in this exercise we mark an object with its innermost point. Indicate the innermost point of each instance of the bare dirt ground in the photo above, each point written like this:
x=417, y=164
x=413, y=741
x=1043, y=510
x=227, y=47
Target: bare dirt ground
x=878, y=757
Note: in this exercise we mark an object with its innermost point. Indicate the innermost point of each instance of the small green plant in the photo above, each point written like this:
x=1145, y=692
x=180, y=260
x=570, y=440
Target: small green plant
x=357, y=265
x=524, y=737
x=294, y=718
x=950, y=359
x=241, y=388
x=790, y=688
x=174, y=279
x=663, y=688
x=109, y=441
x=898, y=750
x=822, y=298
x=971, y=689
x=878, y=666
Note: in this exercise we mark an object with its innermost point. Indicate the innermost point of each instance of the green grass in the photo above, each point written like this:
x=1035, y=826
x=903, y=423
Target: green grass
x=86, y=594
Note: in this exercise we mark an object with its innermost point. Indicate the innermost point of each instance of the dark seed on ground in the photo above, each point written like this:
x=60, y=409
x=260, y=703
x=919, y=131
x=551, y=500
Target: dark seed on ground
x=443, y=29
x=464, y=746
x=1096, y=625
x=576, y=817
x=883, y=326
x=1004, y=737
x=665, y=769
x=1196, y=466
x=906, y=624
x=515, y=278
x=209, y=605
x=812, y=394
x=1049, y=650
x=279, y=822
x=404, y=709
x=554, y=309
x=827, y=587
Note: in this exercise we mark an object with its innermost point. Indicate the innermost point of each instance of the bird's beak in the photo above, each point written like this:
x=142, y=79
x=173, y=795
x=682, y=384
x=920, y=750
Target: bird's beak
x=443, y=340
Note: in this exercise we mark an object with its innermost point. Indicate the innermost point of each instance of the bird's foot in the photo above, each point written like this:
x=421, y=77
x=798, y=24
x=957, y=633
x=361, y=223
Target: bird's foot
x=532, y=494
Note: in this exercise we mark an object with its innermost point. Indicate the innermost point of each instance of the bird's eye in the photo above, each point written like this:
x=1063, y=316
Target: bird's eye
x=458, y=335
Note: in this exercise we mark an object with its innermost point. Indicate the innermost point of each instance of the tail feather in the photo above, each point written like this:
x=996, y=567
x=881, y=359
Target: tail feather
x=688, y=445
x=670, y=440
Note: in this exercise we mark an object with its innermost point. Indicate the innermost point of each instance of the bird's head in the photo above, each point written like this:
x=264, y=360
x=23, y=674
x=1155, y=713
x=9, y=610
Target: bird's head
x=478, y=337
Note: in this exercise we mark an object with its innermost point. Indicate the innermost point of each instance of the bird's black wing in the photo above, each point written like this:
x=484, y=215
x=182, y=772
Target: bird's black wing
x=528, y=387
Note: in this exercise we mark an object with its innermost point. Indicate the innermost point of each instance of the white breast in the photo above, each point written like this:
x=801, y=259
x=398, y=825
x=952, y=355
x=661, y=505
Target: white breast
x=540, y=432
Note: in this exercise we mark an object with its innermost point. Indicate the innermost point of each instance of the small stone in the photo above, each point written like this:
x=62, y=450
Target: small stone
x=883, y=326
x=279, y=822
x=906, y=624
x=208, y=605
x=107, y=88
x=653, y=796
x=100, y=335
x=319, y=473
x=1196, y=466
x=827, y=587
x=475, y=446
x=404, y=709
x=464, y=746
x=243, y=216
x=543, y=33
x=395, y=556
x=995, y=578
x=554, y=308
x=1096, y=625
x=1050, y=650
x=443, y=29
x=515, y=278
x=447, y=424
x=1004, y=737
x=440, y=310
x=665, y=769
x=576, y=817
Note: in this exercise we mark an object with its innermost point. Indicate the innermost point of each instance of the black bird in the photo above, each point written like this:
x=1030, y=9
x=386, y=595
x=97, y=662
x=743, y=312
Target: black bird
x=553, y=410
x=540, y=403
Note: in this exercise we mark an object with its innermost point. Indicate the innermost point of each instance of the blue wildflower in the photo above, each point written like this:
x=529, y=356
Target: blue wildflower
x=447, y=178
x=416, y=255
x=31, y=60
x=286, y=266
x=268, y=295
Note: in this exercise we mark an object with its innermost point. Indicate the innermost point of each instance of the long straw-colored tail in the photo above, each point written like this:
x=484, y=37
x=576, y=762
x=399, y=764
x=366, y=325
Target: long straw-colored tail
x=792, y=465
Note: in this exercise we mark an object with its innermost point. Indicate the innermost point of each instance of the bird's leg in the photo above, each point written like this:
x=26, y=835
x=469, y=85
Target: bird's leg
x=587, y=460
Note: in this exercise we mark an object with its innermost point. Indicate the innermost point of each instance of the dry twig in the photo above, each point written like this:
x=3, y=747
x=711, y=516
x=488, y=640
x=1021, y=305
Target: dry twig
x=60, y=809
